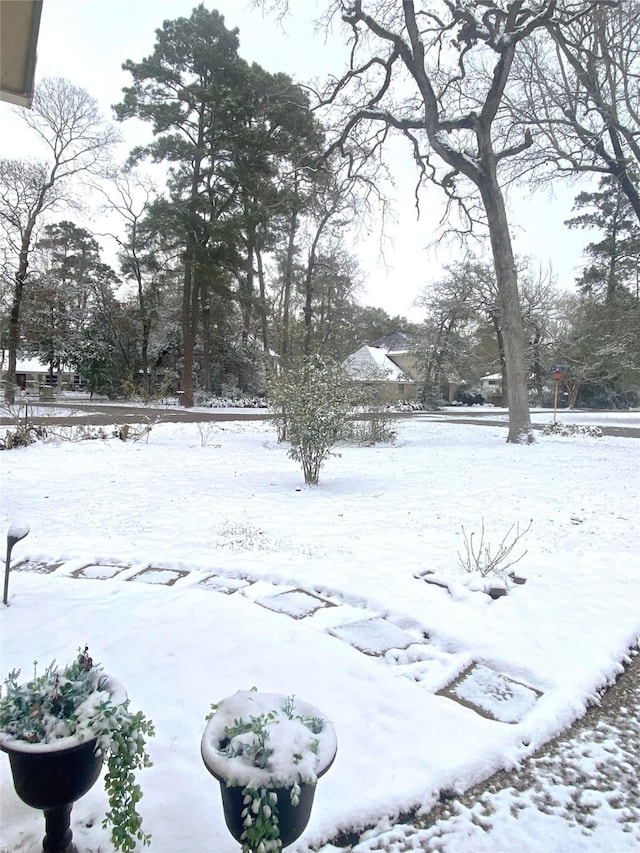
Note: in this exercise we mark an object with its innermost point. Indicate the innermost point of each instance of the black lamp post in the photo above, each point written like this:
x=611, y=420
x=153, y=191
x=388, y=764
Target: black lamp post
x=15, y=533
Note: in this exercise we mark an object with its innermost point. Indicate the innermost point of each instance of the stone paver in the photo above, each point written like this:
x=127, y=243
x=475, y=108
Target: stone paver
x=408, y=650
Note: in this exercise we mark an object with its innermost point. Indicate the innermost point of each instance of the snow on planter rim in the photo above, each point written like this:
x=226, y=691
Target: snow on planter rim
x=288, y=738
x=108, y=687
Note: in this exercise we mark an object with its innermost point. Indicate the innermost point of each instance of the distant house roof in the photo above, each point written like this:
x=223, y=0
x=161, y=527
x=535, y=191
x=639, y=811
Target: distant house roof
x=372, y=363
x=31, y=365
x=395, y=342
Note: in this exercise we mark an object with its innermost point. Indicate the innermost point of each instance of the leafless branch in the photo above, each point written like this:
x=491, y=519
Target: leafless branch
x=482, y=558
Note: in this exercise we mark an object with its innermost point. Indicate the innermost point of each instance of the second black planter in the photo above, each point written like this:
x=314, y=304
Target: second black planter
x=52, y=780
x=292, y=820
x=267, y=744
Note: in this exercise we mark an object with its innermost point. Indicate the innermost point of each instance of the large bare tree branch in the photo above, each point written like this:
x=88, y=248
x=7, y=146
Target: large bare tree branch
x=581, y=97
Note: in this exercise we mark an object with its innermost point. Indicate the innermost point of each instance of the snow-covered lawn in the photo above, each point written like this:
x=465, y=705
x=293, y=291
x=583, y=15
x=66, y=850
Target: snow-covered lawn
x=240, y=576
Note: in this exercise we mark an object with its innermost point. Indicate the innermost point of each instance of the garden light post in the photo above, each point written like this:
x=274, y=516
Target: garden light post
x=15, y=533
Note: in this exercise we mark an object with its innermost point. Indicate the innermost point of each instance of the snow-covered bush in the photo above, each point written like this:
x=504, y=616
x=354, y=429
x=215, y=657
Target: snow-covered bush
x=311, y=404
x=566, y=430
x=375, y=427
x=24, y=432
x=229, y=401
x=372, y=422
x=21, y=436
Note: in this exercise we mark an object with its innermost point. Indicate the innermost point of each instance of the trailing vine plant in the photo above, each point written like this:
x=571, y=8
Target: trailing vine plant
x=260, y=819
x=75, y=702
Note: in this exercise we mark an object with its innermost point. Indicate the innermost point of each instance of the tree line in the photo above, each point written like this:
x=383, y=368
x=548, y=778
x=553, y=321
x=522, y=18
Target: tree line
x=239, y=259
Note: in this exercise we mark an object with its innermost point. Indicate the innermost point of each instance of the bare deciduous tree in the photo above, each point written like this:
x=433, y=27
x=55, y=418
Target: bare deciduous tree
x=77, y=140
x=580, y=96
x=438, y=72
x=130, y=195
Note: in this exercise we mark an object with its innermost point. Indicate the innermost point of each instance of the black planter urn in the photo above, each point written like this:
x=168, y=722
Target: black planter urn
x=227, y=761
x=52, y=780
x=292, y=820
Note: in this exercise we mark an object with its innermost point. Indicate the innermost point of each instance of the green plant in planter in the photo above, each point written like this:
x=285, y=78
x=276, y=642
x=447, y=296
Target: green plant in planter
x=78, y=703
x=272, y=749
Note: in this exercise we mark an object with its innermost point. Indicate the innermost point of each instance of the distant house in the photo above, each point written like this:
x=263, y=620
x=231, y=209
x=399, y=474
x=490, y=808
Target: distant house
x=491, y=387
x=491, y=383
x=33, y=375
x=386, y=366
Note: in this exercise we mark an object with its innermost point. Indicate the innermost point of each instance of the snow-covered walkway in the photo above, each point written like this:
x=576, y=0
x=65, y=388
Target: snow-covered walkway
x=195, y=563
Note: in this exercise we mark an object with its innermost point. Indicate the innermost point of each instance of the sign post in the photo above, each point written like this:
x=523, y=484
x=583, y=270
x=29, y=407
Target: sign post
x=558, y=370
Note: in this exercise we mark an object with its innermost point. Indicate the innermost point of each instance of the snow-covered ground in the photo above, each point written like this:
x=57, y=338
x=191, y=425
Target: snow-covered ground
x=240, y=576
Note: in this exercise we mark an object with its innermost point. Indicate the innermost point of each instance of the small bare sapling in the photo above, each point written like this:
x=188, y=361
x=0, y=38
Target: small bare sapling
x=480, y=556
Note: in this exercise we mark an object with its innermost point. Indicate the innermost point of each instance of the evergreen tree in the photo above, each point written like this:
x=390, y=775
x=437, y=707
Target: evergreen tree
x=189, y=88
x=65, y=298
x=614, y=271
x=226, y=129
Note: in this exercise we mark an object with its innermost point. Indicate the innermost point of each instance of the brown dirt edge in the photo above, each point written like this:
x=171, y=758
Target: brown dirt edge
x=610, y=697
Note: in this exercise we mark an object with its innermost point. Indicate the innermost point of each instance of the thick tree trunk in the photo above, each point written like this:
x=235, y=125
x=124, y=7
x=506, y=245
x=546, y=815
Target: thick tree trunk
x=247, y=289
x=308, y=305
x=206, y=373
x=537, y=365
x=14, y=337
x=573, y=387
x=146, y=332
x=510, y=313
x=190, y=305
x=189, y=327
x=246, y=301
x=262, y=285
x=14, y=317
x=288, y=284
x=146, y=377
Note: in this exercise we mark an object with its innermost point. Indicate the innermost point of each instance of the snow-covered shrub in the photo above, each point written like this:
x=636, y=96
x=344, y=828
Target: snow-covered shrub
x=415, y=406
x=208, y=431
x=373, y=423
x=244, y=536
x=430, y=399
x=81, y=432
x=376, y=427
x=135, y=432
x=24, y=432
x=311, y=403
x=22, y=436
x=229, y=401
x=566, y=430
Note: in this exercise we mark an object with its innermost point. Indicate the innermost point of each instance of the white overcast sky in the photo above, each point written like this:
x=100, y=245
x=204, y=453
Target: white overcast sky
x=86, y=41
